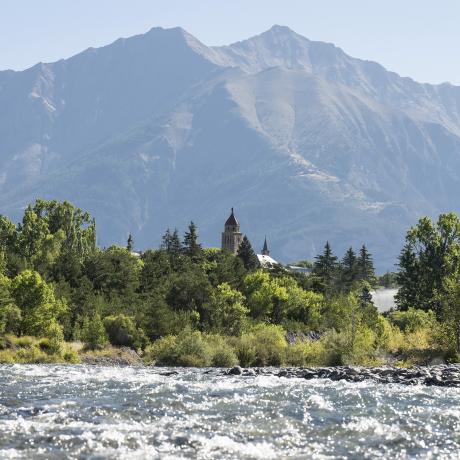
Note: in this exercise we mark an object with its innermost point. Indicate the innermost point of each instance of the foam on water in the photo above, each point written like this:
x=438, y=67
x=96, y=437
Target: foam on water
x=54, y=412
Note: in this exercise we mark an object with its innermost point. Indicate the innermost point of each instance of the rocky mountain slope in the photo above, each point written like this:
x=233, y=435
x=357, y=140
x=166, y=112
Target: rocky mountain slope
x=306, y=142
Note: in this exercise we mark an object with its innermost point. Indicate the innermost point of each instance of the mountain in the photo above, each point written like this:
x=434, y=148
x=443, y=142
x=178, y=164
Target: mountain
x=306, y=142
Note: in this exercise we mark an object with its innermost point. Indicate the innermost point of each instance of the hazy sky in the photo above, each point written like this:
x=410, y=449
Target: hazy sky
x=417, y=38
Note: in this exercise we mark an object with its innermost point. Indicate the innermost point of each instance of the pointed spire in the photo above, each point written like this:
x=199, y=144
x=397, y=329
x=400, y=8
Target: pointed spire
x=265, y=251
x=232, y=220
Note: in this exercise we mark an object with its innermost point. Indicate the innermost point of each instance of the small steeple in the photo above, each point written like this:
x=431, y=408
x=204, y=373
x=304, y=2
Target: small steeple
x=265, y=251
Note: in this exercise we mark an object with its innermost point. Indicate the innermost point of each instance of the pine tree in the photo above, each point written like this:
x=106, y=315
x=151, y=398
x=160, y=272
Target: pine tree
x=408, y=279
x=247, y=255
x=175, y=247
x=365, y=266
x=191, y=247
x=166, y=241
x=325, y=269
x=349, y=268
x=130, y=243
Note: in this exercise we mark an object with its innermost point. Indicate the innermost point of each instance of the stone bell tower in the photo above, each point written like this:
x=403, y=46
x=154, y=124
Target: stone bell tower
x=231, y=237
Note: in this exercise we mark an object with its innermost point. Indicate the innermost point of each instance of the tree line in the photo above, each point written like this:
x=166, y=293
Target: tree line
x=56, y=282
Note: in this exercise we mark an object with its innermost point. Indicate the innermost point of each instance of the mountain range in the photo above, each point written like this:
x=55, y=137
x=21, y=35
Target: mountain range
x=307, y=143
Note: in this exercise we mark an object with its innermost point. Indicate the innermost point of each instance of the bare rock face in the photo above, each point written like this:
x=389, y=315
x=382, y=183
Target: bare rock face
x=158, y=129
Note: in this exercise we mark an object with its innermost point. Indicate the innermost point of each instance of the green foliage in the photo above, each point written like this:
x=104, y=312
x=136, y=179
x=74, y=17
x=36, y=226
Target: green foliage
x=325, y=270
x=203, y=307
x=93, y=332
x=269, y=345
x=430, y=255
x=412, y=319
x=122, y=331
x=227, y=314
x=191, y=247
x=37, y=303
x=247, y=255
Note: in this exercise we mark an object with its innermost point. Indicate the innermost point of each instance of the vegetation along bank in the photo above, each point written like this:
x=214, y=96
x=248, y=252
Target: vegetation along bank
x=63, y=299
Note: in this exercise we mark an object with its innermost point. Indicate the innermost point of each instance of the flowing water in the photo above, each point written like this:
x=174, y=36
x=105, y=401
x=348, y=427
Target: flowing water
x=54, y=412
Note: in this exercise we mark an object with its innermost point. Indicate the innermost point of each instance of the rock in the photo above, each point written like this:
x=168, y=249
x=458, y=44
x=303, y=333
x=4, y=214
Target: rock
x=169, y=373
x=235, y=371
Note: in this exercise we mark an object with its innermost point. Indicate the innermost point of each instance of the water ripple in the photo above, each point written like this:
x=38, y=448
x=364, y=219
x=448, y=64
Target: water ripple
x=78, y=412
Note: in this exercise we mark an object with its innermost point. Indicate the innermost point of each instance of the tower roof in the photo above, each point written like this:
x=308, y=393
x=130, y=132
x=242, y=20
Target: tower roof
x=265, y=248
x=232, y=220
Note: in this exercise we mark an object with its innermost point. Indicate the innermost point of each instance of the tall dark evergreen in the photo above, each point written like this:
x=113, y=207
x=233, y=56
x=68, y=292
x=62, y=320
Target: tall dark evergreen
x=365, y=266
x=130, y=243
x=247, y=255
x=191, y=247
x=408, y=294
x=349, y=269
x=325, y=269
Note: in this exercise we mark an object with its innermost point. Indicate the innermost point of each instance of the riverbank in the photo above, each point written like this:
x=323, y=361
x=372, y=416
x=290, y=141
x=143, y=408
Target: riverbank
x=437, y=375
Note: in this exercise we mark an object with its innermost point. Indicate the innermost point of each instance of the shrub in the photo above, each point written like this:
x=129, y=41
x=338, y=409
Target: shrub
x=224, y=357
x=268, y=344
x=162, y=352
x=246, y=350
x=222, y=353
x=412, y=319
x=24, y=341
x=192, y=350
x=93, y=332
x=56, y=337
x=305, y=353
x=122, y=331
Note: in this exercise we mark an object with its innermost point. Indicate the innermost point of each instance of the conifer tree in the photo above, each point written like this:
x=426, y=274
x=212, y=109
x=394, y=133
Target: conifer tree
x=191, y=247
x=349, y=268
x=247, y=255
x=166, y=241
x=325, y=268
x=130, y=243
x=365, y=266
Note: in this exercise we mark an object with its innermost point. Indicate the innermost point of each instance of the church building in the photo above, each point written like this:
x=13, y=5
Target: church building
x=232, y=238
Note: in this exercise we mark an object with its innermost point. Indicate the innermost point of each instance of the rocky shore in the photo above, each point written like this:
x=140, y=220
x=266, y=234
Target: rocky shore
x=438, y=375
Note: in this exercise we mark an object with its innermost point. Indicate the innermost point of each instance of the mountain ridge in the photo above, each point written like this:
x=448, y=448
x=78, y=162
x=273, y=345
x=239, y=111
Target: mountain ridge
x=158, y=129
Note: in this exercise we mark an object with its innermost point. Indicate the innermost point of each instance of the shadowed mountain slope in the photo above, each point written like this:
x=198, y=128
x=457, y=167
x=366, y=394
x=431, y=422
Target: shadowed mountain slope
x=305, y=141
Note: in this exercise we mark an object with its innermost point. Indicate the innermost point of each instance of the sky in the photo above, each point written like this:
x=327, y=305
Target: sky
x=416, y=38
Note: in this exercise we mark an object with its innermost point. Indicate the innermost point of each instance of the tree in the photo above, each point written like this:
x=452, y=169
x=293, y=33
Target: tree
x=10, y=314
x=130, y=243
x=191, y=247
x=325, y=269
x=266, y=297
x=430, y=255
x=247, y=255
x=227, y=313
x=115, y=272
x=93, y=332
x=365, y=266
x=451, y=308
x=37, y=302
x=349, y=269
x=173, y=247
x=122, y=331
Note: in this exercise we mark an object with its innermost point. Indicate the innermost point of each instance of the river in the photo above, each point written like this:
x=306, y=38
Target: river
x=70, y=412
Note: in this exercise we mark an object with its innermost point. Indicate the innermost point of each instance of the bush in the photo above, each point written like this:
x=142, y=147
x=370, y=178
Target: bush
x=305, y=353
x=162, y=352
x=122, y=331
x=246, y=350
x=93, y=332
x=224, y=357
x=264, y=346
x=56, y=337
x=24, y=341
x=222, y=352
x=412, y=319
x=192, y=350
